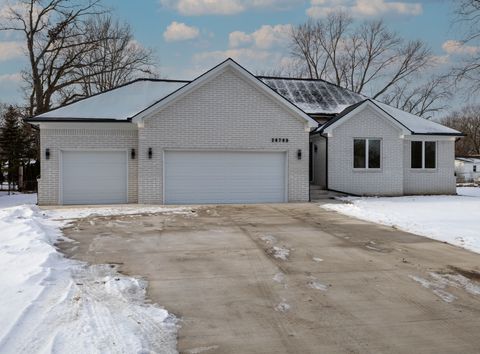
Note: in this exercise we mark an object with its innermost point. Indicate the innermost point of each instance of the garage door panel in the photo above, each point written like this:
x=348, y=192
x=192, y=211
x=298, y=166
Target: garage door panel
x=224, y=177
x=94, y=177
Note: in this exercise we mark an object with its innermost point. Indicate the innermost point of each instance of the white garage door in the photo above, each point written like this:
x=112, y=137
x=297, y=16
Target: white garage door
x=224, y=177
x=94, y=177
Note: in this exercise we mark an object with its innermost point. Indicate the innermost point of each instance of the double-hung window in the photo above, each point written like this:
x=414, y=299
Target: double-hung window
x=423, y=154
x=366, y=153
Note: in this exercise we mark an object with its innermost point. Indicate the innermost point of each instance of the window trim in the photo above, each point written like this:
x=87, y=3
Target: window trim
x=423, y=168
x=367, y=144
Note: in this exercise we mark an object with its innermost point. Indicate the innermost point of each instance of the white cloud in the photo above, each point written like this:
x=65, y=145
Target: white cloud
x=225, y=7
x=262, y=49
x=440, y=60
x=16, y=77
x=241, y=55
x=252, y=59
x=366, y=8
x=456, y=47
x=178, y=31
x=204, y=7
x=10, y=50
x=238, y=39
x=264, y=38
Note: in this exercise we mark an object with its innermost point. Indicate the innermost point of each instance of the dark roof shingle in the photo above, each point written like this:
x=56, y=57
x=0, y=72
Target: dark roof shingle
x=313, y=96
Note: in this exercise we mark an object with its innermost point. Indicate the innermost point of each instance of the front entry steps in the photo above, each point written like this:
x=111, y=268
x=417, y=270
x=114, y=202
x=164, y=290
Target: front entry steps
x=319, y=193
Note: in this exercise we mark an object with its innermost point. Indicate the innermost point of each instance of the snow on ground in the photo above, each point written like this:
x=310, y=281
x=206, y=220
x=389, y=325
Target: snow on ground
x=281, y=252
x=315, y=284
x=282, y=307
x=469, y=191
x=16, y=199
x=279, y=277
x=453, y=219
x=439, y=282
x=56, y=305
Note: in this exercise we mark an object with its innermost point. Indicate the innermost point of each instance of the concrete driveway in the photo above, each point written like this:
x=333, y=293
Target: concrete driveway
x=293, y=278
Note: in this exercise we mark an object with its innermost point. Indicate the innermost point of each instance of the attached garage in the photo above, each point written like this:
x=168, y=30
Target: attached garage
x=224, y=138
x=94, y=177
x=203, y=177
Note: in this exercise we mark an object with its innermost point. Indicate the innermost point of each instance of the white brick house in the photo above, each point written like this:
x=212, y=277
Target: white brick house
x=230, y=137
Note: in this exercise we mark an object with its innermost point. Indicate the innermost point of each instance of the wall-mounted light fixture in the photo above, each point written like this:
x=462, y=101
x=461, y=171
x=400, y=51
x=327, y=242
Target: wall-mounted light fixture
x=150, y=153
x=315, y=147
x=132, y=154
x=47, y=153
x=299, y=154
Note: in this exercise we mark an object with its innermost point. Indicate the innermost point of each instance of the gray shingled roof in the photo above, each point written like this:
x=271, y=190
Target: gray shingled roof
x=313, y=96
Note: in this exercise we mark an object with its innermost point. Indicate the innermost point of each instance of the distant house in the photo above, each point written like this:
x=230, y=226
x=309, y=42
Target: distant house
x=231, y=137
x=467, y=169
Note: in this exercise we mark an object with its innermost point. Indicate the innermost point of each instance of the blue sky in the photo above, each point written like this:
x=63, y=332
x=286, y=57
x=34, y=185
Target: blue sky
x=190, y=36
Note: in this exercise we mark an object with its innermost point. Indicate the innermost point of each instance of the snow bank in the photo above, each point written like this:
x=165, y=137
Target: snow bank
x=453, y=219
x=469, y=191
x=52, y=304
x=76, y=213
x=7, y=201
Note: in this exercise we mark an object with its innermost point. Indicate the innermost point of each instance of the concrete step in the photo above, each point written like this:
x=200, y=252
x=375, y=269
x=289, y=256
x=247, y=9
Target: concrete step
x=318, y=192
x=322, y=194
x=315, y=187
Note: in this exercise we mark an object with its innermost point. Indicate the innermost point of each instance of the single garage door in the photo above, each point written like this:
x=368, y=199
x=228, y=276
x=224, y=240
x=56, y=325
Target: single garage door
x=196, y=177
x=94, y=177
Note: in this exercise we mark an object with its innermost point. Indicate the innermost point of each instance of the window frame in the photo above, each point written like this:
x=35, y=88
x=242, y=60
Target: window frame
x=423, y=168
x=367, y=148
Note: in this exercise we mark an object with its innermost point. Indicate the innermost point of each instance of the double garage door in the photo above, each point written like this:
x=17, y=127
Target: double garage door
x=204, y=177
x=190, y=177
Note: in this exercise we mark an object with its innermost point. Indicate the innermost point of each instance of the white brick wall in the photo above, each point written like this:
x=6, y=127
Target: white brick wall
x=395, y=177
x=368, y=123
x=226, y=113
x=440, y=180
x=82, y=139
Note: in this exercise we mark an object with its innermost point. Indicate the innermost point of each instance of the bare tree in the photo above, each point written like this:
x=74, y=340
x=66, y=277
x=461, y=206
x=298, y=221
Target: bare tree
x=468, y=13
x=468, y=19
x=117, y=58
x=466, y=120
x=64, y=39
x=368, y=57
x=318, y=46
x=55, y=38
x=424, y=100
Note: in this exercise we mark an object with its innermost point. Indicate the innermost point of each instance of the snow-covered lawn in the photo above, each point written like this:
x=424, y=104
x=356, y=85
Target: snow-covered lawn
x=453, y=219
x=51, y=304
x=16, y=199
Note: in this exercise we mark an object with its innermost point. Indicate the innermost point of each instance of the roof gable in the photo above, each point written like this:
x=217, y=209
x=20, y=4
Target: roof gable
x=212, y=73
x=353, y=110
x=410, y=124
x=416, y=124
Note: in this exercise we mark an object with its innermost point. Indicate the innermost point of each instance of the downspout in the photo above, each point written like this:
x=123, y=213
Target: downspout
x=310, y=158
x=326, y=162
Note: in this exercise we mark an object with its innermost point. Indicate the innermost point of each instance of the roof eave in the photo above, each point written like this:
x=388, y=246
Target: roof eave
x=76, y=120
x=441, y=134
